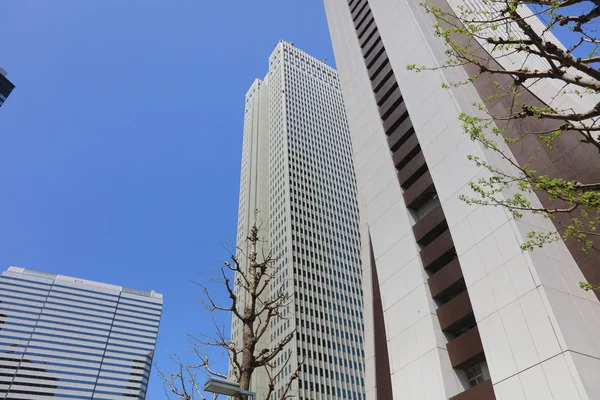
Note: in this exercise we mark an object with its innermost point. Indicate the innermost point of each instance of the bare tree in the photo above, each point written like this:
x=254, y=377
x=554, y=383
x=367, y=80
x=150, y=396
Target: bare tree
x=511, y=45
x=254, y=302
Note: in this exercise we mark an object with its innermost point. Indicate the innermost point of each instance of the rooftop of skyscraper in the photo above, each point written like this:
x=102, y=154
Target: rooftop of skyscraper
x=85, y=282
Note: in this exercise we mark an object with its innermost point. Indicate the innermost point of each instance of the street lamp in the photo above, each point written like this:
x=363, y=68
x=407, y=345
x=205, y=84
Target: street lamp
x=228, y=388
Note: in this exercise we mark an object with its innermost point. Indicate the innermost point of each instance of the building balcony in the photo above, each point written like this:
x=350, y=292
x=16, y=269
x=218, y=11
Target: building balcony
x=430, y=226
x=456, y=315
x=359, y=11
x=483, y=391
x=363, y=20
x=447, y=282
x=391, y=84
x=406, y=152
x=394, y=100
x=412, y=171
x=366, y=30
x=368, y=44
x=400, y=134
x=466, y=350
x=398, y=115
x=438, y=253
x=374, y=54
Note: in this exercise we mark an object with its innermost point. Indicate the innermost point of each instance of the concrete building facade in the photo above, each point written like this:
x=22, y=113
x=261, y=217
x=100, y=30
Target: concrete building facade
x=453, y=308
x=297, y=172
x=69, y=338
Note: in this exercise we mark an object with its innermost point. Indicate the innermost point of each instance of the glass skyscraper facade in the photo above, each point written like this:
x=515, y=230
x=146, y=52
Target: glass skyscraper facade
x=70, y=338
x=6, y=87
x=297, y=171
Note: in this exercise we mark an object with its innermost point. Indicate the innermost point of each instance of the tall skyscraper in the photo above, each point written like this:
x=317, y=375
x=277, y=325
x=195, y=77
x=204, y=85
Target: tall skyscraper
x=6, y=87
x=72, y=338
x=297, y=172
x=453, y=307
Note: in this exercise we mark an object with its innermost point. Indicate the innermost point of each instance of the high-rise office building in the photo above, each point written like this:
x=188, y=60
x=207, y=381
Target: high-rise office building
x=70, y=338
x=297, y=172
x=453, y=307
x=6, y=87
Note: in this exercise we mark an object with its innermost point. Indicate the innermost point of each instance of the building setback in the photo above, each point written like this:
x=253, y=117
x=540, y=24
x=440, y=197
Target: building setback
x=6, y=87
x=297, y=172
x=70, y=338
x=453, y=308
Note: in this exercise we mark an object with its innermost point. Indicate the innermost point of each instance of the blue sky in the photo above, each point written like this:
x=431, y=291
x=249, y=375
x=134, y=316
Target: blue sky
x=120, y=146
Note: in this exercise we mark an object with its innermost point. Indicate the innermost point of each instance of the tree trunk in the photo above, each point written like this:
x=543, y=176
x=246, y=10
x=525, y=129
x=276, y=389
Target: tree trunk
x=248, y=337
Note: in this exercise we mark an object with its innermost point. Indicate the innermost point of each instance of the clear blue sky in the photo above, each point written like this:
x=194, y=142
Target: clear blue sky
x=120, y=146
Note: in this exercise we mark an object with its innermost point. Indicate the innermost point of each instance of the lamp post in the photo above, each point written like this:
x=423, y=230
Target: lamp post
x=228, y=388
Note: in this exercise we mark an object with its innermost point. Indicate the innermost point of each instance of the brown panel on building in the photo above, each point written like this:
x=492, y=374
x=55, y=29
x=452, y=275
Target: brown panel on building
x=367, y=31
x=419, y=192
x=389, y=85
x=394, y=100
x=406, y=151
x=361, y=21
x=454, y=311
x=359, y=10
x=383, y=377
x=433, y=254
x=368, y=44
x=397, y=115
x=384, y=76
x=400, y=135
x=412, y=171
x=431, y=222
x=483, y=391
x=449, y=278
x=375, y=54
x=466, y=350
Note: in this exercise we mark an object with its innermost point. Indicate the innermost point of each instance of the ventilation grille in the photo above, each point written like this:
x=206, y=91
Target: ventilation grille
x=138, y=292
x=40, y=274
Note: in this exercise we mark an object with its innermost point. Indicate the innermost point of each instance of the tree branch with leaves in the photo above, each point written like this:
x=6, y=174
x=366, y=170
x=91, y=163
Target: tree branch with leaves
x=503, y=43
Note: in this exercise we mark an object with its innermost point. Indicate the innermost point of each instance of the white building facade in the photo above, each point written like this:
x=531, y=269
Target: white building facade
x=453, y=308
x=297, y=172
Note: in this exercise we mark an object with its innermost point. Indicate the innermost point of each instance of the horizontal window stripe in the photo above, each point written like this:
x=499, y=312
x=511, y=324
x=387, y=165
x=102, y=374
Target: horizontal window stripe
x=140, y=321
x=146, y=303
x=24, y=309
x=125, y=369
x=144, y=310
x=53, y=330
x=84, y=291
x=14, y=316
x=26, y=282
x=69, y=312
x=63, y=352
x=143, y=328
x=68, y=335
x=139, y=314
x=80, y=305
x=82, y=344
x=49, y=362
x=23, y=296
x=60, y=296
x=70, y=321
